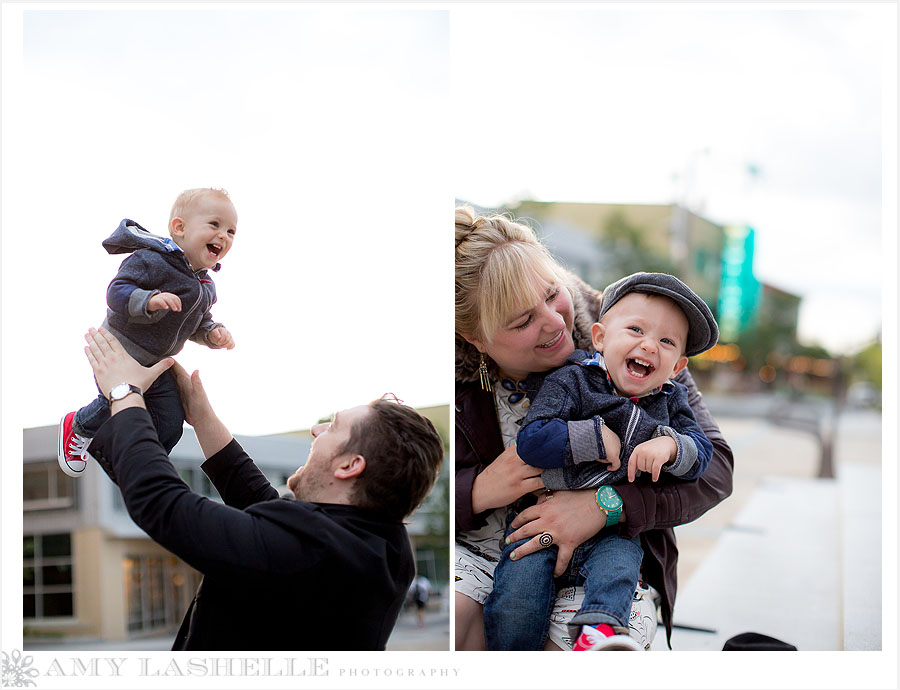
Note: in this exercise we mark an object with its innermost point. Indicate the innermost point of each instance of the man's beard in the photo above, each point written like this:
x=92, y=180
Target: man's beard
x=308, y=485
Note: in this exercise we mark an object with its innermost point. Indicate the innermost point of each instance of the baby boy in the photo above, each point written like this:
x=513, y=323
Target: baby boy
x=159, y=299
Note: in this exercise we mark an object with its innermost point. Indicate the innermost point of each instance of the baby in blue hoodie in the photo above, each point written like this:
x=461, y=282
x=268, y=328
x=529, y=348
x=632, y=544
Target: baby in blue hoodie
x=159, y=299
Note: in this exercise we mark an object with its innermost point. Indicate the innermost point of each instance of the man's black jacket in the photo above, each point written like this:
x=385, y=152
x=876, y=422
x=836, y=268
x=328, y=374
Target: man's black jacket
x=278, y=574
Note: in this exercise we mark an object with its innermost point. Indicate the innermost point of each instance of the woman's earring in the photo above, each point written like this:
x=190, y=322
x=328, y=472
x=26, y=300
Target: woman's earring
x=483, y=374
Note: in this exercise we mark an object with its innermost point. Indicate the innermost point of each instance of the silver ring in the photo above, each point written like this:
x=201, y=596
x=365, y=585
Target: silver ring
x=546, y=539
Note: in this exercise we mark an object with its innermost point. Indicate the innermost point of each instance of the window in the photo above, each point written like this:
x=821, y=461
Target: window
x=47, y=576
x=44, y=487
x=158, y=591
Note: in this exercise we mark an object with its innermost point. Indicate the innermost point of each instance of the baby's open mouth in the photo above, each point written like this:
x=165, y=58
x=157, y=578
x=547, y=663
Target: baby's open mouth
x=638, y=367
x=214, y=249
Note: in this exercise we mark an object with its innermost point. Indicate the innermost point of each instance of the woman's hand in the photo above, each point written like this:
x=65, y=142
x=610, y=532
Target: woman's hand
x=569, y=517
x=112, y=365
x=503, y=481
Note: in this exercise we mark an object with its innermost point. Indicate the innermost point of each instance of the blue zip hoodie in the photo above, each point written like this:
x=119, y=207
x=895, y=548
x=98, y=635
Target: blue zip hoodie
x=156, y=265
x=562, y=431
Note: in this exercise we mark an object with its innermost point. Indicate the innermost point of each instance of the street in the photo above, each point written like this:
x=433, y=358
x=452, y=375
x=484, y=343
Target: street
x=433, y=636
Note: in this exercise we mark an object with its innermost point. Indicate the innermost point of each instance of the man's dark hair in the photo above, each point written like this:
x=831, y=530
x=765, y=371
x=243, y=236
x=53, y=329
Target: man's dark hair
x=403, y=455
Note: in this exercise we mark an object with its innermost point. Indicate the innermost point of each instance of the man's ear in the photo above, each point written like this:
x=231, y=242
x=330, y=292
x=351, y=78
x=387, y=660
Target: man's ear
x=598, y=330
x=350, y=466
x=478, y=343
x=679, y=365
x=176, y=226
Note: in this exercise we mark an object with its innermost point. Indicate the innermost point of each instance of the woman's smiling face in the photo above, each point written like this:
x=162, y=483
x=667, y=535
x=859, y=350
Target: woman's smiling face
x=535, y=338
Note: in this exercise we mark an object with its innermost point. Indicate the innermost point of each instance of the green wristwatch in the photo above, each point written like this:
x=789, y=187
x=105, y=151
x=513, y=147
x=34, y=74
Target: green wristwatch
x=610, y=503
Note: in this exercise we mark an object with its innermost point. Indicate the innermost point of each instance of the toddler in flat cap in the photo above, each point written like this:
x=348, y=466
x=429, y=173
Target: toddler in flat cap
x=650, y=323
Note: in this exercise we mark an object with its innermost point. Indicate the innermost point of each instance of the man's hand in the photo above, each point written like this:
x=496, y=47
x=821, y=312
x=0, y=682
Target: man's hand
x=112, y=365
x=651, y=455
x=164, y=300
x=221, y=337
x=503, y=481
x=193, y=396
x=212, y=435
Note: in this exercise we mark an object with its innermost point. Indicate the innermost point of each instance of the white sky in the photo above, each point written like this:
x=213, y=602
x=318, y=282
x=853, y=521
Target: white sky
x=609, y=105
x=321, y=124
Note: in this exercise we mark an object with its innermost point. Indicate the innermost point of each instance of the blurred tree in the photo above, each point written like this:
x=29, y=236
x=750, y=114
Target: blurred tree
x=756, y=344
x=866, y=364
x=626, y=250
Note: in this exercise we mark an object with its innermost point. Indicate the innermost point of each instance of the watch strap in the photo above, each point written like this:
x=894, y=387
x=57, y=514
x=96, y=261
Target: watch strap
x=131, y=389
x=612, y=514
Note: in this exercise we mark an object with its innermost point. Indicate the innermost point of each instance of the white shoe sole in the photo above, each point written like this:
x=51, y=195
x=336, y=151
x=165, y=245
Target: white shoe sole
x=619, y=643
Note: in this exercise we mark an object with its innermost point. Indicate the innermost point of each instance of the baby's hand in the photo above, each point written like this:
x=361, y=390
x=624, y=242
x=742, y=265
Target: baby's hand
x=651, y=455
x=221, y=337
x=613, y=449
x=164, y=300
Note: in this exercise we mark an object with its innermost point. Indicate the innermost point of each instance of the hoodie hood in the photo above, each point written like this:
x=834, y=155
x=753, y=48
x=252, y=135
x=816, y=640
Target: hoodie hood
x=131, y=236
x=586, y=303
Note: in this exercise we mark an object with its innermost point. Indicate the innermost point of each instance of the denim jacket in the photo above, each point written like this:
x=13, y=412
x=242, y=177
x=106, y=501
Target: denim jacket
x=156, y=265
x=562, y=430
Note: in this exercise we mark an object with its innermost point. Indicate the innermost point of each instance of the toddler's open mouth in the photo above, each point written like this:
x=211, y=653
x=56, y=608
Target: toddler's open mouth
x=214, y=249
x=638, y=367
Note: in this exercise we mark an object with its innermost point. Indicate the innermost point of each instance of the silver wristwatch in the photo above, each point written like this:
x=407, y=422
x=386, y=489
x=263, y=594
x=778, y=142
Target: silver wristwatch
x=121, y=390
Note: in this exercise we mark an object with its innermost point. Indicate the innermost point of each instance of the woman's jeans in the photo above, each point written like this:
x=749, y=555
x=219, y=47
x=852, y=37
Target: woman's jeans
x=163, y=404
x=517, y=612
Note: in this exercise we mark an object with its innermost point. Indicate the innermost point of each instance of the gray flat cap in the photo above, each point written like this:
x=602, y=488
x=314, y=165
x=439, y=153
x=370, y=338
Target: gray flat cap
x=703, y=331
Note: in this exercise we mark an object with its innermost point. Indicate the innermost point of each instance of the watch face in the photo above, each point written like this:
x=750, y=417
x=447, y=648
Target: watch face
x=609, y=498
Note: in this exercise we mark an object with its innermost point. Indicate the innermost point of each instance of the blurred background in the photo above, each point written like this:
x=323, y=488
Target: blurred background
x=743, y=150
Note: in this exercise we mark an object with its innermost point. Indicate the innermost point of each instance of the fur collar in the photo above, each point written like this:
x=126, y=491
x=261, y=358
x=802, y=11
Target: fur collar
x=586, y=301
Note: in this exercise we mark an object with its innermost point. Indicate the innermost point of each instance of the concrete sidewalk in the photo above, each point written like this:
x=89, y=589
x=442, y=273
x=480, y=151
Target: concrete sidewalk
x=800, y=563
x=788, y=555
x=407, y=636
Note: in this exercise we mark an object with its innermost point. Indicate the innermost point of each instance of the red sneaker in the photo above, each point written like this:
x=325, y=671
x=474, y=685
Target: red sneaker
x=73, y=455
x=603, y=637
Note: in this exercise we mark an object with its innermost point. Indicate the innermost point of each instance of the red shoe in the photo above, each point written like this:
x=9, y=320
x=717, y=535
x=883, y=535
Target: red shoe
x=73, y=455
x=604, y=638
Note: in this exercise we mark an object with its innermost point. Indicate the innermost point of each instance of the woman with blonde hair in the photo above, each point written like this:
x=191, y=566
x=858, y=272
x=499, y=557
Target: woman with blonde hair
x=518, y=312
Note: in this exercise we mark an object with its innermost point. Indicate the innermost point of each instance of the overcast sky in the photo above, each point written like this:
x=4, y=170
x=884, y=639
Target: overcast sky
x=650, y=105
x=320, y=123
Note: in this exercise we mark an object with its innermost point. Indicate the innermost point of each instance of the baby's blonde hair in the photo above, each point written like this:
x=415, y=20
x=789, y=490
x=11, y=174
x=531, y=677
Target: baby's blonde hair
x=188, y=196
x=497, y=262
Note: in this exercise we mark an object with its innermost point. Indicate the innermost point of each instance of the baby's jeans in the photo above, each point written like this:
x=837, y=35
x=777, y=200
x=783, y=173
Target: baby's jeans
x=163, y=404
x=517, y=612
